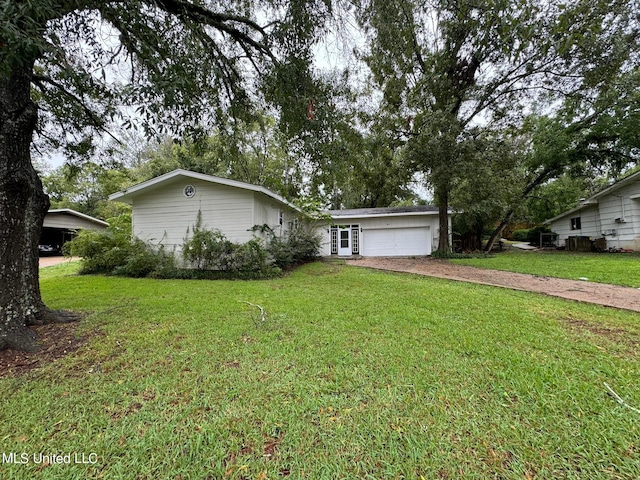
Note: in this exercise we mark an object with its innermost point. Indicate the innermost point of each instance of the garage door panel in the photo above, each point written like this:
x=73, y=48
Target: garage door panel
x=389, y=242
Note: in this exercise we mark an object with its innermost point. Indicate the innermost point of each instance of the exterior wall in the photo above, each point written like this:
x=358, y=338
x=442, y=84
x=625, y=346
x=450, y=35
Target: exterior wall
x=620, y=205
x=590, y=224
x=69, y=222
x=600, y=220
x=164, y=215
x=381, y=222
x=267, y=212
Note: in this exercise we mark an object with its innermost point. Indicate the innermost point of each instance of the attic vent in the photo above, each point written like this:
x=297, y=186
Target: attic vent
x=620, y=220
x=189, y=191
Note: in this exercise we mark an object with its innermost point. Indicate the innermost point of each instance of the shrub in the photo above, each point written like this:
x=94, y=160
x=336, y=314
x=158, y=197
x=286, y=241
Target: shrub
x=250, y=256
x=145, y=260
x=297, y=246
x=101, y=252
x=116, y=253
x=520, y=235
x=208, y=250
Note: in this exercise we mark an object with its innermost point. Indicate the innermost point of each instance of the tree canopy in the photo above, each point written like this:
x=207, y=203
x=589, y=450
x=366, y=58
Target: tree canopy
x=450, y=67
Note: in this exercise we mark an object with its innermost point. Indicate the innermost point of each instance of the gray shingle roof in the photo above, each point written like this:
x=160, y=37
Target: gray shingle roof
x=351, y=212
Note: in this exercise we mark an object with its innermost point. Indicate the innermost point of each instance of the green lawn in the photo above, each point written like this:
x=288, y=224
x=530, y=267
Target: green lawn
x=353, y=373
x=613, y=268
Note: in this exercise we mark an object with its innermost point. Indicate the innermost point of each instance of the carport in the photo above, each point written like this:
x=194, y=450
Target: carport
x=62, y=225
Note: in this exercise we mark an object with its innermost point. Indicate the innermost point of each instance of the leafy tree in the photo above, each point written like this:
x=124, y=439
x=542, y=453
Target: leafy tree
x=591, y=137
x=85, y=188
x=448, y=66
x=66, y=67
x=559, y=195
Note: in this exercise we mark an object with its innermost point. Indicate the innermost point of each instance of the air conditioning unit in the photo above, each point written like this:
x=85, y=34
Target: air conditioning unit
x=620, y=220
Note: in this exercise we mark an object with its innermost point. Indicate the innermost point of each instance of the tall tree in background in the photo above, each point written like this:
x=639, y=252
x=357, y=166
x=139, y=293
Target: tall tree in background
x=448, y=66
x=66, y=67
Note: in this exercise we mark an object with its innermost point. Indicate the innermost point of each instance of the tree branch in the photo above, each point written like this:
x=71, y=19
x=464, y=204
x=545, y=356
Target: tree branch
x=203, y=16
x=94, y=118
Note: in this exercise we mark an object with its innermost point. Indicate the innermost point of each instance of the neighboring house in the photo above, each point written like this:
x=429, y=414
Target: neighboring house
x=613, y=213
x=62, y=225
x=166, y=208
x=383, y=232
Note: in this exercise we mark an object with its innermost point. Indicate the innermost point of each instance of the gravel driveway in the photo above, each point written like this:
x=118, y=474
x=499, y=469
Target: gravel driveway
x=599, y=293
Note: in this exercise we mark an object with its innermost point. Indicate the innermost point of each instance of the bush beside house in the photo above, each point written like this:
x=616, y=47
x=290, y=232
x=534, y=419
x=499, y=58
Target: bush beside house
x=205, y=254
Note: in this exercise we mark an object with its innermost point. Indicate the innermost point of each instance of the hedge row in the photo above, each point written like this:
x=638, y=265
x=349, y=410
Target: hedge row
x=206, y=254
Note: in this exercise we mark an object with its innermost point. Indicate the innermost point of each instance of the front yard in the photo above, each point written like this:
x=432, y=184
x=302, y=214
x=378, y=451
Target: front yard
x=350, y=373
x=614, y=268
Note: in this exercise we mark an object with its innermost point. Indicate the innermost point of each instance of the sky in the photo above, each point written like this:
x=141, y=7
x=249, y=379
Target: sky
x=334, y=53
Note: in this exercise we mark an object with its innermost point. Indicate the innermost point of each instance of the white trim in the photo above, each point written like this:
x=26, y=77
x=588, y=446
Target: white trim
x=126, y=194
x=78, y=214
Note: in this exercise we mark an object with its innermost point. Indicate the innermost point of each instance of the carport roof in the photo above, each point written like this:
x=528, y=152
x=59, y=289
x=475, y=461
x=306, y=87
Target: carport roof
x=73, y=213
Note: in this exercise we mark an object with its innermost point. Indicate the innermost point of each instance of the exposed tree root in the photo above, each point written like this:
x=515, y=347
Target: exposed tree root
x=25, y=339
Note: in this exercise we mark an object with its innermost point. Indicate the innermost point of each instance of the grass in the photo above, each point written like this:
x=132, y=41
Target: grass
x=352, y=373
x=613, y=268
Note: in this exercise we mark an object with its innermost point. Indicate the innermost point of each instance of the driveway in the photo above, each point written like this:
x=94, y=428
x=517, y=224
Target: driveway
x=49, y=261
x=625, y=298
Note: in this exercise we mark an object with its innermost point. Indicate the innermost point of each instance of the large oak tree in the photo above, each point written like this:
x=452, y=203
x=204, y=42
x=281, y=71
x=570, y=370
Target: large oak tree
x=448, y=68
x=68, y=66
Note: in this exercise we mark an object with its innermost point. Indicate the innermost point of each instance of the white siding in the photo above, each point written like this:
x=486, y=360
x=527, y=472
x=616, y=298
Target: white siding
x=600, y=220
x=619, y=205
x=164, y=215
x=267, y=211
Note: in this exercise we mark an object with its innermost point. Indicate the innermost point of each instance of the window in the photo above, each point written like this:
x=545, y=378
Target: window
x=334, y=240
x=355, y=244
x=575, y=223
x=344, y=238
x=280, y=217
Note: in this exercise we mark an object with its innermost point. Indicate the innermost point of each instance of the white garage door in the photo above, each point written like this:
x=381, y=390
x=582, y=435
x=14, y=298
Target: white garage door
x=390, y=242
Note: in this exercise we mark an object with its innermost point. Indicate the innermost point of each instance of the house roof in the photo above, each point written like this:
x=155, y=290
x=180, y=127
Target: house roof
x=129, y=193
x=593, y=199
x=68, y=211
x=384, y=212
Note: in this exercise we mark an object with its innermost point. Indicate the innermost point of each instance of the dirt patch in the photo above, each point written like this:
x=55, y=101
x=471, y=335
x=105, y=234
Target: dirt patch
x=56, y=340
x=615, y=335
x=590, y=292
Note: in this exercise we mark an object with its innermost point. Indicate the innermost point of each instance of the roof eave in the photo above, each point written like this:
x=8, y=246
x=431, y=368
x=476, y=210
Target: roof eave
x=79, y=215
x=126, y=195
x=379, y=215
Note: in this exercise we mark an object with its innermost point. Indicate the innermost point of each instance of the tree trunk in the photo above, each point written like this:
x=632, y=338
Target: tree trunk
x=23, y=206
x=443, y=220
x=498, y=231
x=538, y=180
